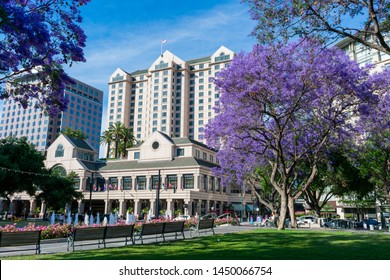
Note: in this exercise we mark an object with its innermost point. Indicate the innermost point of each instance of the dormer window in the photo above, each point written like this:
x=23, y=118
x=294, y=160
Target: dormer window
x=59, y=151
x=180, y=152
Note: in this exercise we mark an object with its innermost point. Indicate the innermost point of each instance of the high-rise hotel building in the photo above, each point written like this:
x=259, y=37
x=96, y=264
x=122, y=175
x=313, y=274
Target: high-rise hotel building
x=173, y=96
x=84, y=113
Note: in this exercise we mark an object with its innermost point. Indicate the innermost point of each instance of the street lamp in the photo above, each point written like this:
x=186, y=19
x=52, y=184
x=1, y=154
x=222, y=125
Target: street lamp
x=90, y=194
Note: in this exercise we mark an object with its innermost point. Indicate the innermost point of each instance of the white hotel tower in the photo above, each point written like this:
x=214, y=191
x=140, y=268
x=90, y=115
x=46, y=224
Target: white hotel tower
x=173, y=96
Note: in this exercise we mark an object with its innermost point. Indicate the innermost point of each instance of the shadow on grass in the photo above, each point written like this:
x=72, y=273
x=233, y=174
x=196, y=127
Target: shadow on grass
x=258, y=244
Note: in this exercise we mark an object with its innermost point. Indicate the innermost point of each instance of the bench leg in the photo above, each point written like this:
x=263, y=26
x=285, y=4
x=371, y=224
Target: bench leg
x=38, y=249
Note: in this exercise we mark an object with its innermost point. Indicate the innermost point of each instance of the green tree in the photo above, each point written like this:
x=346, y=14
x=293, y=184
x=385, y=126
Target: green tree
x=116, y=132
x=106, y=138
x=56, y=191
x=374, y=162
x=121, y=136
x=127, y=140
x=368, y=23
x=20, y=166
x=74, y=133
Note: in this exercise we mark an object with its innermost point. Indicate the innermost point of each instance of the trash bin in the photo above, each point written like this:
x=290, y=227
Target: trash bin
x=371, y=227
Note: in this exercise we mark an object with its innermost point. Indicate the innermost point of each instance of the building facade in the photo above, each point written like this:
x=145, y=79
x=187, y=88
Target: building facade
x=173, y=96
x=84, y=113
x=187, y=183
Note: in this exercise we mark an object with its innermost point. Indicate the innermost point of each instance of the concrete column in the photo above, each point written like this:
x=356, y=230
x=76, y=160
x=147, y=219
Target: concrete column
x=170, y=209
x=107, y=206
x=121, y=211
x=137, y=209
x=33, y=205
x=207, y=207
x=43, y=206
x=179, y=182
x=188, y=211
x=83, y=183
x=120, y=183
x=152, y=203
x=149, y=183
x=196, y=182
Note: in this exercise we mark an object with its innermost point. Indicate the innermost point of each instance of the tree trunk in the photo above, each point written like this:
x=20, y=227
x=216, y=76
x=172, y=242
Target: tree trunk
x=108, y=150
x=283, y=209
x=291, y=209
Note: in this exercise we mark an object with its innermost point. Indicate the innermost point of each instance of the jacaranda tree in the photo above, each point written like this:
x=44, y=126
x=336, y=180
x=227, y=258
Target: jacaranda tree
x=281, y=108
x=363, y=21
x=38, y=37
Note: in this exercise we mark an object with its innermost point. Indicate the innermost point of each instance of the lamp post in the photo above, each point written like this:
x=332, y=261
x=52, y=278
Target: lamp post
x=90, y=194
x=158, y=195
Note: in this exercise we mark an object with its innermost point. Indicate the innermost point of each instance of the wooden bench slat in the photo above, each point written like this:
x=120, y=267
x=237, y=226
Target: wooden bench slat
x=21, y=238
x=204, y=225
x=119, y=232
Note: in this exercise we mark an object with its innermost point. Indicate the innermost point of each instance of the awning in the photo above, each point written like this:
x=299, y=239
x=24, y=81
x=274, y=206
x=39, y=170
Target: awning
x=237, y=207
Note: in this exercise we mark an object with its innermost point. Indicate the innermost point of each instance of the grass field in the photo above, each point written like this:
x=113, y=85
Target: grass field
x=260, y=244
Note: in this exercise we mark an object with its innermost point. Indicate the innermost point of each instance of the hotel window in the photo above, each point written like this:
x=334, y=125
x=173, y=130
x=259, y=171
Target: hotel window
x=136, y=154
x=171, y=182
x=188, y=181
x=180, y=152
x=127, y=183
x=141, y=183
x=155, y=182
x=59, y=151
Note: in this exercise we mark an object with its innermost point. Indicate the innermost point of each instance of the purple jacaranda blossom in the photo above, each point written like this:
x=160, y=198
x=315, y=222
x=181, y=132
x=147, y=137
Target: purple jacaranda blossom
x=282, y=107
x=37, y=38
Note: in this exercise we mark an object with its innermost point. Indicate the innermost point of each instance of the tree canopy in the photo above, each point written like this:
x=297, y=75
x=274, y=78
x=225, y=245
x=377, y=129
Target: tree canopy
x=22, y=170
x=282, y=107
x=366, y=22
x=37, y=37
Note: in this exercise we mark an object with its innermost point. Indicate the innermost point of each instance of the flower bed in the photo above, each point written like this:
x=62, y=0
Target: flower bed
x=63, y=230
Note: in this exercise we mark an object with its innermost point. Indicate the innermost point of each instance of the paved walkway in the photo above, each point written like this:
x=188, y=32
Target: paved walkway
x=60, y=245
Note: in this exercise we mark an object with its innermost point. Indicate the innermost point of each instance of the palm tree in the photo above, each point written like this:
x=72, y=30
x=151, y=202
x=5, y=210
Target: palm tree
x=74, y=133
x=106, y=138
x=116, y=132
x=128, y=140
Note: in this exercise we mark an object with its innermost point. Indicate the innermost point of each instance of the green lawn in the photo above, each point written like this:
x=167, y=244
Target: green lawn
x=266, y=244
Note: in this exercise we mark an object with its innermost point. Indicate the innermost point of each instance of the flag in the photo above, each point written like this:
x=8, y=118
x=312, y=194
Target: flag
x=163, y=41
x=170, y=186
x=94, y=188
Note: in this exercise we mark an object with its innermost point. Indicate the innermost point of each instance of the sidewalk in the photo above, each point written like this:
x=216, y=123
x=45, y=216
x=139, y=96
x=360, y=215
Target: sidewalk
x=52, y=246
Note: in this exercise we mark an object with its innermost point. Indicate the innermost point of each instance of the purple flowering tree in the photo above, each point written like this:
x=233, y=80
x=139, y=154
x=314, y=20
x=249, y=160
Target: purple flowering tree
x=37, y=37
x=372, y=152
x=281, y=108
x=359, y=20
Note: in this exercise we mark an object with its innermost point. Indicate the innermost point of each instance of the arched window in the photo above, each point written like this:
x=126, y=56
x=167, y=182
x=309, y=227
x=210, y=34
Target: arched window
x=59, y=151
x=59, y=170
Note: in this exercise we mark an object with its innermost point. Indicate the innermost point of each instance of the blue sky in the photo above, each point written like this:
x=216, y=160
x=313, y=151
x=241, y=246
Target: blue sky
x=127, y=34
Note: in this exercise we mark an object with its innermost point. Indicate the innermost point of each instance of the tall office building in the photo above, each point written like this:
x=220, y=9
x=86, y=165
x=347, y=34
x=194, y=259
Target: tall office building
x=173, y=96
x=84, y=113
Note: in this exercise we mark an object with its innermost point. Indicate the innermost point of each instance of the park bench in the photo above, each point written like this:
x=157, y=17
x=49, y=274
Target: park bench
x=119, y=232
x=204, y=225
x=87, y=234
x=155, y=229
x=21, y=238
x=176, y=228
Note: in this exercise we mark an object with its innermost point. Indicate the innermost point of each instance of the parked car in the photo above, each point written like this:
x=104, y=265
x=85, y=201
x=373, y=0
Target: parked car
x=323, y=221
x=182, y=218
x=306, y=220
x=337, y=223
x=368, y=222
